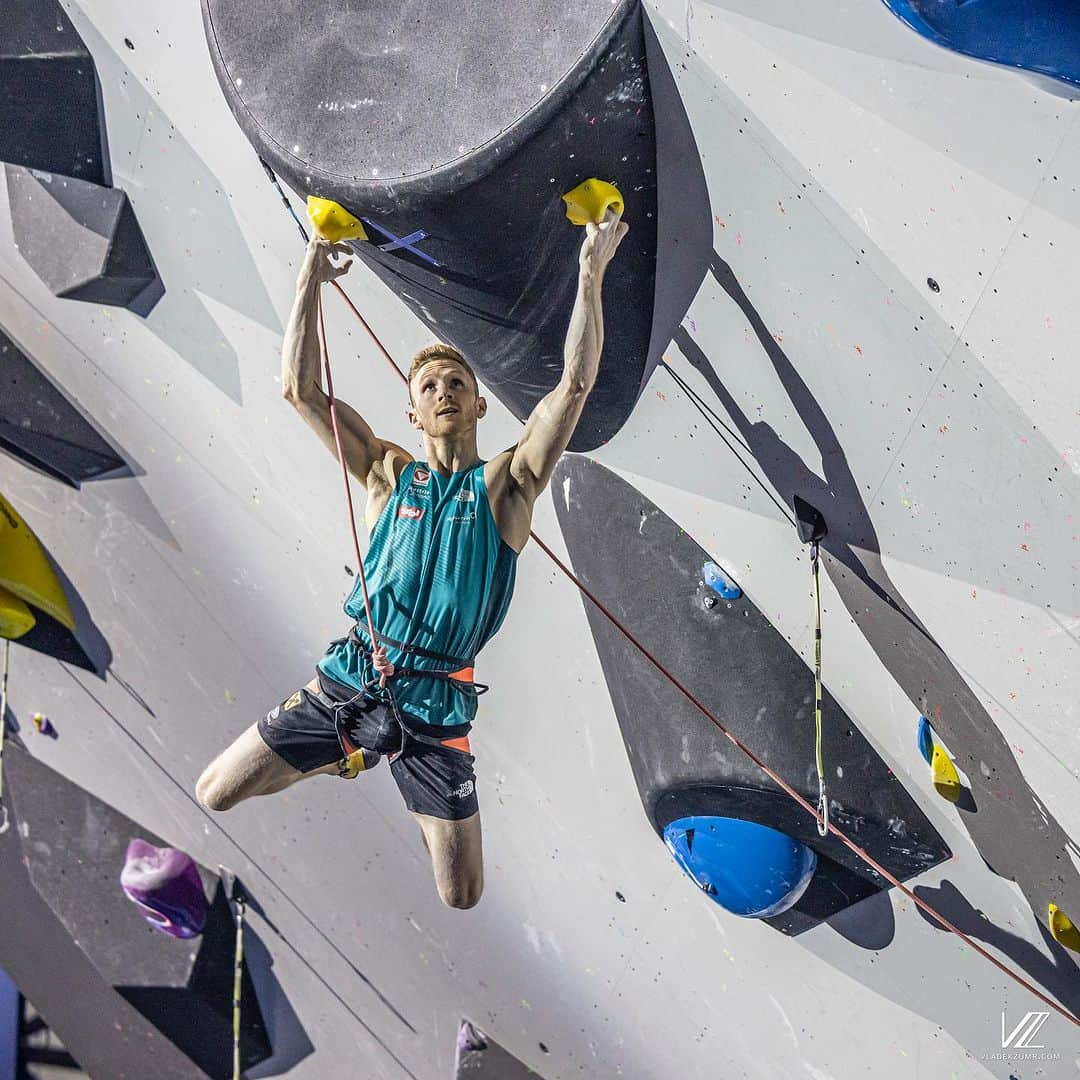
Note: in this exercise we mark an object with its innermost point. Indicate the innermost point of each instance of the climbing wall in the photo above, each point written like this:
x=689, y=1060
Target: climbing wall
x=858, y=286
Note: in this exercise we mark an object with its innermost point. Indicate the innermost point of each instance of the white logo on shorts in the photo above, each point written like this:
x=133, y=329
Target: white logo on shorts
x=464, y=791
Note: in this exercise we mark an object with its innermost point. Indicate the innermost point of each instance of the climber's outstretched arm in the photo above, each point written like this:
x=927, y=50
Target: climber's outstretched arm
x=551, y=424
x=301, y=371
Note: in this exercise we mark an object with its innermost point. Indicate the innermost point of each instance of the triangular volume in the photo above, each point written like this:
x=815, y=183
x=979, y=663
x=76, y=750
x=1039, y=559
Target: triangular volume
x=40, y=426
x=128, y=265
x=43, y=61
x=81, y=239
x=63, y=461
x=182, y=988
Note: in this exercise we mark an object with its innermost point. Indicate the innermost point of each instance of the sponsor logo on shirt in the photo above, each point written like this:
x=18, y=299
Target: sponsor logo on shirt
x=468, y=516
x=466, y=496
x=413, y=513
x=421, y=476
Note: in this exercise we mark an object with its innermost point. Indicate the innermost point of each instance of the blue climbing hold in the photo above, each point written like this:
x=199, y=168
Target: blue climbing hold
x=748, y=869
x=926, y=740
x=719, y=582
x=1040, y=35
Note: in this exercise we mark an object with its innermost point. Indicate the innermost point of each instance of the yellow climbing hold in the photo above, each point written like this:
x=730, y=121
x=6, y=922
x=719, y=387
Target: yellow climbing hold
x=15, y=617
x=332, y=221
x=946, y=779
x=590, y=200
x=25, y=569
x=1062, y=928
x=355, y=764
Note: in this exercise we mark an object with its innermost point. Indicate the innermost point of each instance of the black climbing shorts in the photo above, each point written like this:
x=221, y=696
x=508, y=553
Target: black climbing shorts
x=432, y=765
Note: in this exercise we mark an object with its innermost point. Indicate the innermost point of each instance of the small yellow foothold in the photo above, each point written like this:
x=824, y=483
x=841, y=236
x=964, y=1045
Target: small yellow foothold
x=946, y=779
x=589, y=201
x=333, y=222
x=1062, y=928
x=16, y=618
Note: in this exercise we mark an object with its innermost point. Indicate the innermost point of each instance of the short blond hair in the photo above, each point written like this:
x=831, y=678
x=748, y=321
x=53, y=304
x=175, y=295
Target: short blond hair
x=439, y=351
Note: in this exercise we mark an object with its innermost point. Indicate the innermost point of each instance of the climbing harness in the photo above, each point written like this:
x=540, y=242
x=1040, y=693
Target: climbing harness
x=459, y=676
x=867, y=858
x=3, y=731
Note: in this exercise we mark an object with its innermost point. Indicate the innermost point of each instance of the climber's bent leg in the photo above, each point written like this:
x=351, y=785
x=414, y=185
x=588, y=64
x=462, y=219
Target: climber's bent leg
x=456, y=858
x=248, y=767
x=297, y=739
x=436, y=779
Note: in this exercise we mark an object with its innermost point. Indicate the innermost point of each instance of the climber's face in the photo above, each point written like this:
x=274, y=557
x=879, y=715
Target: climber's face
x=445, y=399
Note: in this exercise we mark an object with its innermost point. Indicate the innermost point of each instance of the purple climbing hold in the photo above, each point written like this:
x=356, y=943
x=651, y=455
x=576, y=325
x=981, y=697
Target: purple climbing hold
x=470, y=1037
x=165, y=886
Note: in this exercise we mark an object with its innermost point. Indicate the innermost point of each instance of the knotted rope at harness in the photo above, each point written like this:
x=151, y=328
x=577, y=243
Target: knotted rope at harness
x=459, y=675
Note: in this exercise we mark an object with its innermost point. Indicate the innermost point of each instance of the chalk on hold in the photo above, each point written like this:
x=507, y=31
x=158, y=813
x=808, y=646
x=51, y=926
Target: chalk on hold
x=165, y=886
x=749, y=869
x=945, y=777
x=719, y=582
x=590, y=200
x=16, y=618
x=332, y=221
x=1062, y=928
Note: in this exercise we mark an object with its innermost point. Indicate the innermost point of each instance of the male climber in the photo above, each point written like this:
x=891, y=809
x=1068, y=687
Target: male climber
x=445, y=534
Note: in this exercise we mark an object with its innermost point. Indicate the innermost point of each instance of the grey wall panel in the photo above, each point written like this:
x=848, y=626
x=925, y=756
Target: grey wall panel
x=216, y=572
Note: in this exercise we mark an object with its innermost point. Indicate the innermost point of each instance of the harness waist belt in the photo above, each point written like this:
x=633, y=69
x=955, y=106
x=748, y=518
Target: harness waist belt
x=461, y=677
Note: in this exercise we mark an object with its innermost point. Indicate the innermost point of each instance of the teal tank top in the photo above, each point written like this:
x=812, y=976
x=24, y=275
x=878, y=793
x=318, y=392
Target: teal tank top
x=439, y=577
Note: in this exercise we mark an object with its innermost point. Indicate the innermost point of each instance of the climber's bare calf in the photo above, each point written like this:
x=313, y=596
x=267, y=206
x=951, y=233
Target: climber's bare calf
x=249, y=767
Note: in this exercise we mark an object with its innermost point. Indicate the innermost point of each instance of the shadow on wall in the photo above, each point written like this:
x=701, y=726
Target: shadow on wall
x=1056, y=975
x=1008, y=823
x=733, y=660
x=42, y=428
x=73, y=848
x=200, y=246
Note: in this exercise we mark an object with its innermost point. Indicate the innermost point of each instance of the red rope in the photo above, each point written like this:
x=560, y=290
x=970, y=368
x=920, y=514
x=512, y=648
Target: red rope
x=345, y=474
x=783, y=784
